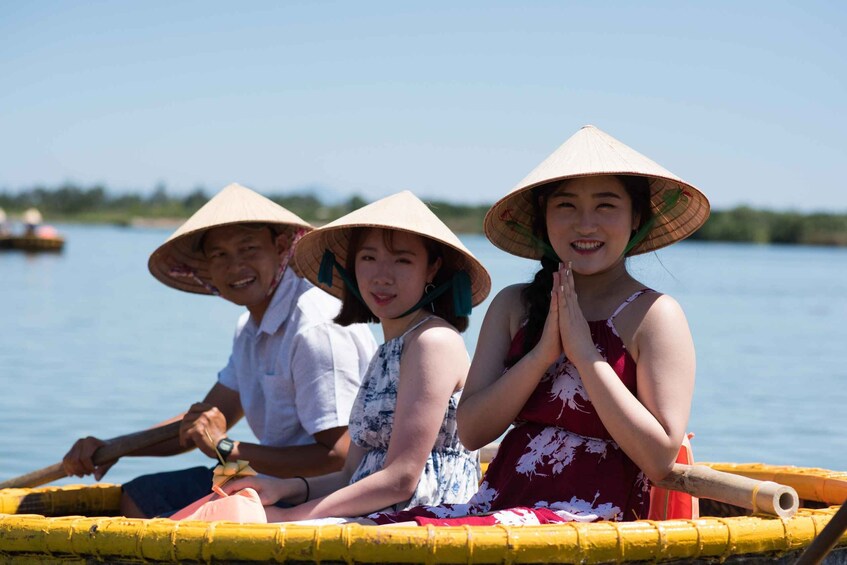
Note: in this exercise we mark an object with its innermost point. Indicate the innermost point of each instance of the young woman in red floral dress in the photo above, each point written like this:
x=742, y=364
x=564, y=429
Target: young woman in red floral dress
x=587, y=372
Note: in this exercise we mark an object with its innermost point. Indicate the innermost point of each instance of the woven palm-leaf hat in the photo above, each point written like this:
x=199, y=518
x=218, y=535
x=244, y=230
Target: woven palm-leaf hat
x=180, y=262
x=678, y=207
x=32, y=216
x=403, y=212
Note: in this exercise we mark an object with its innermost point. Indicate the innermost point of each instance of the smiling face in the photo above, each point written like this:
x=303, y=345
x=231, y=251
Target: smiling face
x=243, y=262
x=589, y=221
x=392, y=268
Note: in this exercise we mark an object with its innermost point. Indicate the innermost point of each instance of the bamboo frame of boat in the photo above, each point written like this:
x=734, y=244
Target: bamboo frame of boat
x=32, y=243
x=51, y=534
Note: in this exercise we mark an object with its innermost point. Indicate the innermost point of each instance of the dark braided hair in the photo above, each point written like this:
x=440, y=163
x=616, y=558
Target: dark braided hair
x=536, y=295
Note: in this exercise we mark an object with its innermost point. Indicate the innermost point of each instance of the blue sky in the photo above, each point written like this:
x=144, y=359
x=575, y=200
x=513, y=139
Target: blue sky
x=452, y=100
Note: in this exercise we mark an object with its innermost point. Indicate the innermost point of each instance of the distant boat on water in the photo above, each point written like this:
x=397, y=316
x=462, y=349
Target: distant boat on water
x=32, y=243
x=36, y=236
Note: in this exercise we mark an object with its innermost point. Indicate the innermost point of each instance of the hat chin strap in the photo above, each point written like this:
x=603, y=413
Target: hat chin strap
x=184, y=271
x=543, y=246
x=283, y=265
x=670, y=199
x=460, y=282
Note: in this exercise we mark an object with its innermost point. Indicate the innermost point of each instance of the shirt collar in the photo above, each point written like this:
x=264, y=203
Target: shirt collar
x=281, y=302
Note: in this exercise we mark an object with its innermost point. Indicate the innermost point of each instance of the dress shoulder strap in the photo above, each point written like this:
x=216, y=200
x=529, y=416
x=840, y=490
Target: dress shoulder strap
x=611, y=321
x=418, y=324
x=629, y=301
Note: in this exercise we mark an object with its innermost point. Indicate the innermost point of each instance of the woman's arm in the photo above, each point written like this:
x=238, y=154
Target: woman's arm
x=664, y=351
x=651, y=427
x=432, y=368
x=492, y=399
x=294, y=490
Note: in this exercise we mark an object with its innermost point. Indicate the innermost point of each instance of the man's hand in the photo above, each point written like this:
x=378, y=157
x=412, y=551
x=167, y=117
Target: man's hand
x=202, y=427
x=78, y=461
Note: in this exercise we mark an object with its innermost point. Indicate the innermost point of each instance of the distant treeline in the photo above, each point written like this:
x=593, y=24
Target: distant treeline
x=745, y=224
x=70, y=203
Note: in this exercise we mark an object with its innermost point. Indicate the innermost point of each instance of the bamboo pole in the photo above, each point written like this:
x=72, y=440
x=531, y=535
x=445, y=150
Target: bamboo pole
x=763, y=497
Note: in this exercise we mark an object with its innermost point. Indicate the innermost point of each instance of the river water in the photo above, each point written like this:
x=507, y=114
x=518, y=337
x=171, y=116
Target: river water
x=91, y=343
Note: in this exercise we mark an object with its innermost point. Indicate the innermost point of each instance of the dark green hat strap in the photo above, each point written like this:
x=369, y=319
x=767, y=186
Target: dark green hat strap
x=462, y=296
x=328, y=262
x=670, y=199
x=545, y=248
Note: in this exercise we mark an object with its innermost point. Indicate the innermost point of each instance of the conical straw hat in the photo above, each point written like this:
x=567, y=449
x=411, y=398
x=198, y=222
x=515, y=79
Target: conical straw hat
x=32, y=216
x=180, y=255
x=402, y=211
x=590, y=152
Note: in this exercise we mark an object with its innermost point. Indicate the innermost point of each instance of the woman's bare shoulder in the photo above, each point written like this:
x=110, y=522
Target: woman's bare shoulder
x=509, y=299
x=658, y=307
x=435, y=333
x=651, y=315
x=507, y=310
x=437, y=346
x=511, y=292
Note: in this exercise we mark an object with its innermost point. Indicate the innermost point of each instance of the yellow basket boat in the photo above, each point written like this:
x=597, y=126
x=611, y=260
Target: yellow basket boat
x=75, y=524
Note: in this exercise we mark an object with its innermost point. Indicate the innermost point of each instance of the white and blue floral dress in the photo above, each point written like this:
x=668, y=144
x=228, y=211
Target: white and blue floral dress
x=451, y=473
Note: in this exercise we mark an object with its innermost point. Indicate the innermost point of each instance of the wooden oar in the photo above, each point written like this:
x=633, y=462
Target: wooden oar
x=113, y=450
x=827, y=539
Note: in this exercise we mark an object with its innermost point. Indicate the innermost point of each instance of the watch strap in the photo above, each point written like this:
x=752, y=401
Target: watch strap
x=225, y=447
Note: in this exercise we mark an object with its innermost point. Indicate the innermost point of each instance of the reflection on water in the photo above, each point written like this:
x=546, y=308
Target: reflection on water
x=93, y=344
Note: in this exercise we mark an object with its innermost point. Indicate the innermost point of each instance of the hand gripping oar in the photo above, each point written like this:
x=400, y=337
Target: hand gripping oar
x=113, y=450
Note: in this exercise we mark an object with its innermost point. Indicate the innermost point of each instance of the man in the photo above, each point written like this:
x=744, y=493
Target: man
x=293, y=372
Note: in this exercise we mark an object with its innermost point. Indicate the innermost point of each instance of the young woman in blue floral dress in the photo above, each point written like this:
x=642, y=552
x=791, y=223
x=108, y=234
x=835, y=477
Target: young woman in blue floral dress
x=394, y=262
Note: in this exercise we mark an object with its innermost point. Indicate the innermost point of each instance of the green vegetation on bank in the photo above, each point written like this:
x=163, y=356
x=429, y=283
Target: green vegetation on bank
x=745, y=224
x=69, y=203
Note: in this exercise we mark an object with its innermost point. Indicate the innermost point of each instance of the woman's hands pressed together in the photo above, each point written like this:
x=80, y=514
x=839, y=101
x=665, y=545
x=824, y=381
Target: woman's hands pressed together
x=549, y=347
x=573, y=328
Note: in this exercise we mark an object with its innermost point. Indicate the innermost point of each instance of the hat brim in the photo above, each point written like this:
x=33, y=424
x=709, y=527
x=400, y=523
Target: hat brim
x=180, y=262
x=170, y=262
x=404, y=213
x=670, y=226
x=592, y=152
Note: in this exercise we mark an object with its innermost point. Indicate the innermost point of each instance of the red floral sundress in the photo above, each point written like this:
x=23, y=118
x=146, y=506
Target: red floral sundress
x=557, y=463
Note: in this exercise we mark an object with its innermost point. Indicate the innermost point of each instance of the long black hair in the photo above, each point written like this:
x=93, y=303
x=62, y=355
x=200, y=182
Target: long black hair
x=536, y=295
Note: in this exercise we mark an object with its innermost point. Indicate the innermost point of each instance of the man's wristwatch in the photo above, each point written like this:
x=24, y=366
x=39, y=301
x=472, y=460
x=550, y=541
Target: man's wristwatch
x=224, y=447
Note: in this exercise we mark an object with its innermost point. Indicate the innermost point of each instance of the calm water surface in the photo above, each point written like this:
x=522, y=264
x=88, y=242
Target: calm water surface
x=91, y=343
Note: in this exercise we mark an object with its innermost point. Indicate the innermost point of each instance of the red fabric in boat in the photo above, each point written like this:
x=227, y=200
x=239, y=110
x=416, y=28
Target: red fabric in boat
x=543, y=515
x=671, y=504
